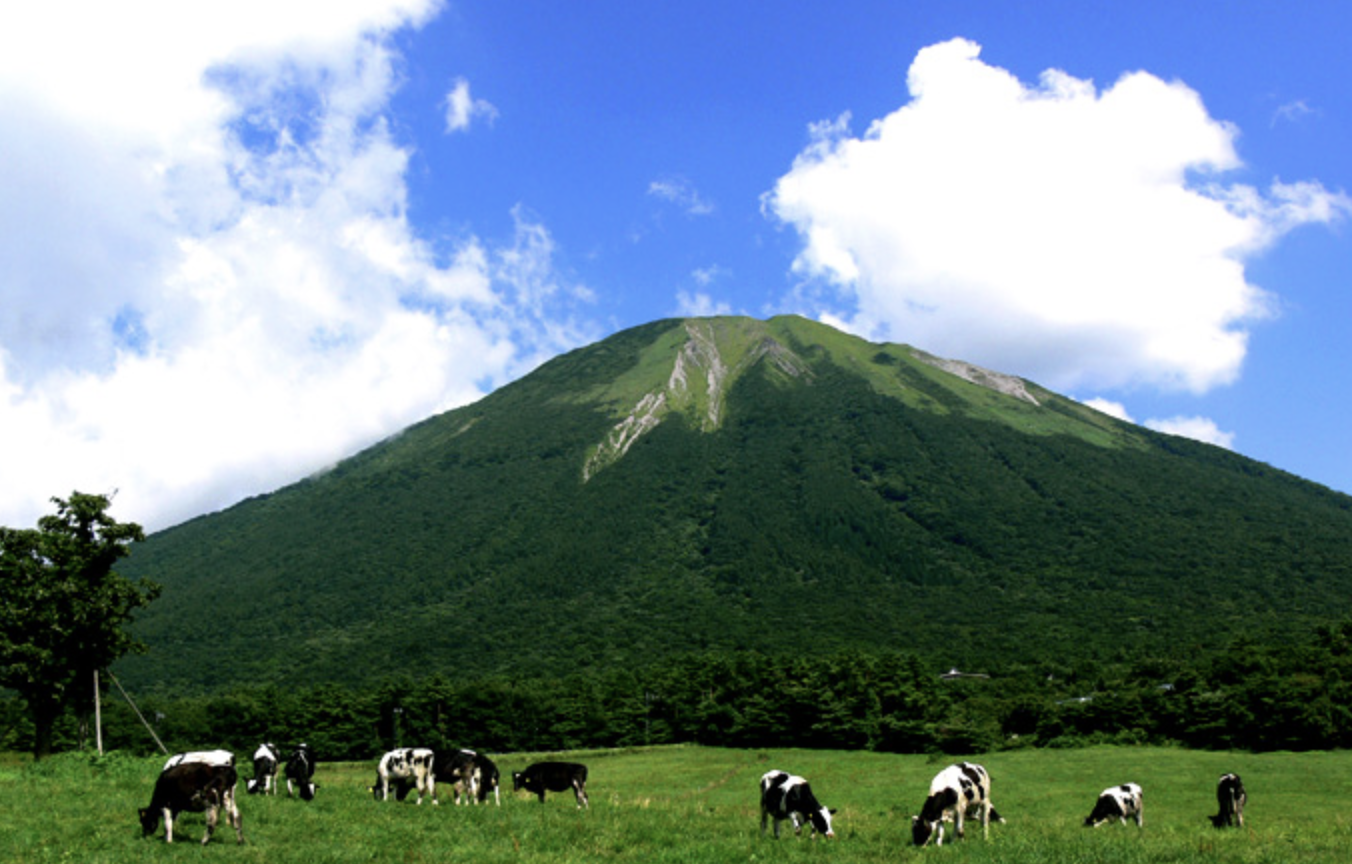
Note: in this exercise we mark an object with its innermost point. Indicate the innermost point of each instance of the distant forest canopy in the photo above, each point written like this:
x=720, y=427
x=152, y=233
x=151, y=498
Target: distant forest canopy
x=1256, y=694
x=805, y=492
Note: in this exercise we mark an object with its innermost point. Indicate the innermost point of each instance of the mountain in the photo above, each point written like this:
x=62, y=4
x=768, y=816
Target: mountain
x=728, y=483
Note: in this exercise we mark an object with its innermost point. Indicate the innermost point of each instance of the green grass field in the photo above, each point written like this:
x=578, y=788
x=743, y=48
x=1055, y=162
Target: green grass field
x=690, y=804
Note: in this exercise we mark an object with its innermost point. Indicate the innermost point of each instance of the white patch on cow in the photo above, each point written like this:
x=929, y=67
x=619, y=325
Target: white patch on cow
x=206, y=757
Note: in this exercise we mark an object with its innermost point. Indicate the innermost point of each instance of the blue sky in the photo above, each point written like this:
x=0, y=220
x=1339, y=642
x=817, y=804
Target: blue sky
x=239, y=241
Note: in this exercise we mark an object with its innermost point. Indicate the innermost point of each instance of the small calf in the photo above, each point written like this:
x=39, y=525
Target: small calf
x=194, y=787
x=1230, y=796
x=554, y=777
x=1120, y=803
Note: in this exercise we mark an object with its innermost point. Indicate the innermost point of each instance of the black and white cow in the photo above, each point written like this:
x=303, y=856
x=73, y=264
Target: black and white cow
x=300, y=770
x=470, y=774
x=1118, y=802
x=1231, y=797
x=553, y=777
x=192, y=787
x=405, y=764
x=265, y=762
x=788, y=796
x=958, y=792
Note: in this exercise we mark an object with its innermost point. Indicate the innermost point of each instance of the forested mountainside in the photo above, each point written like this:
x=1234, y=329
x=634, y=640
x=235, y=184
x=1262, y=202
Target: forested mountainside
x=730, y=484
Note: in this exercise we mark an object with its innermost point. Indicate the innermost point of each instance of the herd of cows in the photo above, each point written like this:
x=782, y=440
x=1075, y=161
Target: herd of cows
x=205, y=780
x=963, y=791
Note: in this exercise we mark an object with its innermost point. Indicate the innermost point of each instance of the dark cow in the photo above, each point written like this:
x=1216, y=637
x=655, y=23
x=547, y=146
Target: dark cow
x=300, y=769
x=470, y=774
x=788, y=796
x=406, y=763
x=460, y=770
x=194, y=787
x=553, y=777
x=1230, y=796
x=957, y=792
x=265, y=761
x=1120, y=803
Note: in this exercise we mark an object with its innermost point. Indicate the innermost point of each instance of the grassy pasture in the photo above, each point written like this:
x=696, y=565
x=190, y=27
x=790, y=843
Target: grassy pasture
x=690, y=804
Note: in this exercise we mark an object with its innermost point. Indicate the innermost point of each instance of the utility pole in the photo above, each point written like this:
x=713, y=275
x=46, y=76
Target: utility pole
x=98, y=715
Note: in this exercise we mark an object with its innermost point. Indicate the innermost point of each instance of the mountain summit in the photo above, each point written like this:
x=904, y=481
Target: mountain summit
x=728, y=484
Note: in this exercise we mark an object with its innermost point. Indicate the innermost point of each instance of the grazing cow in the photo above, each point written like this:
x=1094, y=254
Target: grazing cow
x=265, y=761
x=204, y=757
x=472, y=775
x=406, y=763
x=300, y=768
x=554, y=777
x=957, y=792
x=1230, y=795
x=194, y=787
x=459, y=769
x=788, y=796
x=1118, y=802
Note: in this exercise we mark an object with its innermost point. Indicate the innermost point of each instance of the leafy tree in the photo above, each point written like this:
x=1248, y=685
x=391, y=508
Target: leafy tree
x=63, y=608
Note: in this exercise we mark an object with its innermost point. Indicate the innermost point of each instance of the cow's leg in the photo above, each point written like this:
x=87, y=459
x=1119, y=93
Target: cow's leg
x=232, y=813
x=765, y=817
x=986, y=820
x=1140, y=815
x=580, y=792
x=168, y=825
x=959, y=823
x=213, y=814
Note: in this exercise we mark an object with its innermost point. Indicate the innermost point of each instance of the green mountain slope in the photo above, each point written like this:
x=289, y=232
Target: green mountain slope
x=731, y=483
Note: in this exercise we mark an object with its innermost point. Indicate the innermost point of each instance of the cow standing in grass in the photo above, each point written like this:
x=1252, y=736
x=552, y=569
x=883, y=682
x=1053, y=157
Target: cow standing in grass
x=300, y=771
x=788, y=796
x=1230, y=797
x=265, y=762
x=553, y=777
x=958, y=792
x=1118, y=802
x=404, y=764
x=192, y=787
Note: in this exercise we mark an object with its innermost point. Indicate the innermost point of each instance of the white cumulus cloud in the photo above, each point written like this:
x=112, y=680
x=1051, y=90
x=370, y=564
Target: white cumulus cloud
x=1070, y=234
x=209, y=280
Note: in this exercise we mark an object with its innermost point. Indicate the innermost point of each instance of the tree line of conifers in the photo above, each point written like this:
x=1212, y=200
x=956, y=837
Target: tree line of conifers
x=1294, y=695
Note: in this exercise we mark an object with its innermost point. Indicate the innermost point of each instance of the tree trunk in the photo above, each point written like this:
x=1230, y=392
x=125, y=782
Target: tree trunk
x=45, y=712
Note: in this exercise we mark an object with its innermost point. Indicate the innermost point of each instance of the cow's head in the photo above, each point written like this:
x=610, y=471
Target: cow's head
x=923, y=831
x=518, y=781
x=821, y=822
x=150, y=820
x=307, y=791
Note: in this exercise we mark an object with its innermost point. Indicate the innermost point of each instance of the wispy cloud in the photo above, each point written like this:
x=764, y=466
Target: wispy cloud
x=1292, y=112
x=680, y=192
x=1077, y=236
x=462, y=109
